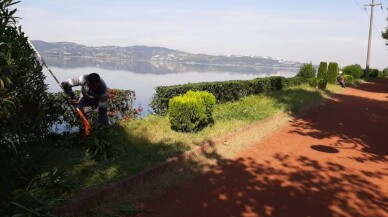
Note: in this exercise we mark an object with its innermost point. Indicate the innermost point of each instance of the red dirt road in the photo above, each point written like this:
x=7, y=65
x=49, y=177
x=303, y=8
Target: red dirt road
x=330, y=162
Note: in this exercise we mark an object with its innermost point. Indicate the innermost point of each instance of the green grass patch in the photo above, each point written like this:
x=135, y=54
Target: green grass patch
x=150, y=140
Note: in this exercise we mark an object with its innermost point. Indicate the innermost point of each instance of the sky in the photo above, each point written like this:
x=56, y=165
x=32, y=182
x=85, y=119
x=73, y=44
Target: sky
x=298, y=30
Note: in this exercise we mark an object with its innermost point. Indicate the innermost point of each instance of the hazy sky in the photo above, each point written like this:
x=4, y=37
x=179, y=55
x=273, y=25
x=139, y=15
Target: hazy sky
x=300, y=30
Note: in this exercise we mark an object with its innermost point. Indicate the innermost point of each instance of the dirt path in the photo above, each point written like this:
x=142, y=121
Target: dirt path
x=330, y=162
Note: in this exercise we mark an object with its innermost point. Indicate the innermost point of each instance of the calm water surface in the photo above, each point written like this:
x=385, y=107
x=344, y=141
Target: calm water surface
x=143, y=77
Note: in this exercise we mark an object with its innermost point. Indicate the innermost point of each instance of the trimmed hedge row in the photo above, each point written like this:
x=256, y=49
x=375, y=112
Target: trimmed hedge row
x=224, y=91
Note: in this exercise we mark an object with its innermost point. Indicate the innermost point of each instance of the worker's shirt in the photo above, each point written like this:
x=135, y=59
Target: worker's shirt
x=101, y=94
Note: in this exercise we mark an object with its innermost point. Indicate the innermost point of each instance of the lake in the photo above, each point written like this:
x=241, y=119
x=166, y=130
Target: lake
x=143, y=77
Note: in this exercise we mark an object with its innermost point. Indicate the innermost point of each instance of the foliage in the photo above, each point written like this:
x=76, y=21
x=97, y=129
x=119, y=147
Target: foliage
x=332, y=73
x=224, y=91
x=98, y=145
x=190, y=112
x=307, y=71
x=24, y=100
x=208, y=99
x=348, y=79
x=293, y=81
x=385, y=72
x=22, y=89
x=322, y=83
x=353, y=70
x=313, y=82
x=322, y=70
x=374, y=73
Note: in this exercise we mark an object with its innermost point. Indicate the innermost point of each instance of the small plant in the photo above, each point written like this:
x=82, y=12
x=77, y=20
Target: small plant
x=98, y=145
x=322, y=83
x=313, y=82
x=349, y=79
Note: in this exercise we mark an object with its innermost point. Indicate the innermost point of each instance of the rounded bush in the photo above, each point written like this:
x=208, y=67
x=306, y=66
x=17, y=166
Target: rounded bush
x=353, y=70
x=208, y=99
x=187, y=113
x=322, y=83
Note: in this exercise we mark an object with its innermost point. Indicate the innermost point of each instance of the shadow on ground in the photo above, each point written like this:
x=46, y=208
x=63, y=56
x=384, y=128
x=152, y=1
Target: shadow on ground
x=282, y=186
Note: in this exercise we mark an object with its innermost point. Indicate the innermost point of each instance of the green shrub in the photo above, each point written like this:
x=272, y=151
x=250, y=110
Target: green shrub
x=293, y=81
x=187, y=113
x=313, y=82
x=224, y=91
x=353, y=70
x=322, y=70
x=322, y=83
x=332, y=73
x=208, y=99
x=307, y=71
x=373, y=73
x=385, y=72
x=349, y=79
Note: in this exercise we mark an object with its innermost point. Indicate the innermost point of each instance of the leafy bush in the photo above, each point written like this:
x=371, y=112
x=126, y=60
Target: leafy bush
x=332, y=73
x=187, y=113
x=348, y=79
x=24, y=101
x=373, y=73
x=313, y=82
x=208, y=99
x=307, y=71
x=322, y=70
x=353, y=70
x=293, y=81
x=224, y=91
x=385, y=72
x=322, y=83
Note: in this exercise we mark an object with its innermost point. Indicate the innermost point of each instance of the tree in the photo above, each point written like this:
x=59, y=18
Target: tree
x=322, y=70
x=307, y=71
x=332, y=72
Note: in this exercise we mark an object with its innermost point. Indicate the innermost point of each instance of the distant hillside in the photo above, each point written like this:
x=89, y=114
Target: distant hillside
x=154, y=54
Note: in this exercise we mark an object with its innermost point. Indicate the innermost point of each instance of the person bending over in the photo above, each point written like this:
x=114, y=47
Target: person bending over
x=94, y=93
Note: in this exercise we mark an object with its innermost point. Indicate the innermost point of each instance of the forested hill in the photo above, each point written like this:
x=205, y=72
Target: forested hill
x=159, y=54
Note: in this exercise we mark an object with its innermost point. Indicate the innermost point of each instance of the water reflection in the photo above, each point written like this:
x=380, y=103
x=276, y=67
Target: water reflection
x=143, y=77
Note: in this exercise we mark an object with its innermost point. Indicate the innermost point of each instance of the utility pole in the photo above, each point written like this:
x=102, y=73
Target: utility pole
x=372, y=5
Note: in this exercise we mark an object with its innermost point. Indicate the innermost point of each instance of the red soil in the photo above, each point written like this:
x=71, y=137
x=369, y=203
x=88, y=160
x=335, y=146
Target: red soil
x=330, y=162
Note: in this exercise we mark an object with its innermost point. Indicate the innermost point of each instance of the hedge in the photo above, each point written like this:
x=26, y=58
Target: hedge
x=224, y=91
